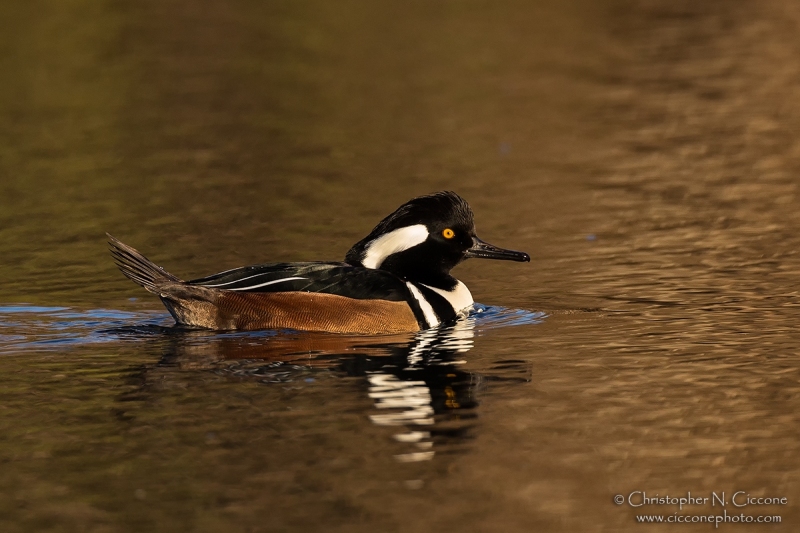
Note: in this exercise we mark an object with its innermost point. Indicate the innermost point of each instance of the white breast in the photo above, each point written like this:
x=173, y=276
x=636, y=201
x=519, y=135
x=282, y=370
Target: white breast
x=460, y=297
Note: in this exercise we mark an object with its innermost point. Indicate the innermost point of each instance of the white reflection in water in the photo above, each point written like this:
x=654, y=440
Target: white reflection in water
x=391, y=393
x=411, y=402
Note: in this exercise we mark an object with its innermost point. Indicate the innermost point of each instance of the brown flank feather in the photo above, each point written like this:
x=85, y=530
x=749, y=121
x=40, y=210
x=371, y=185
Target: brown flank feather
x=194, y=305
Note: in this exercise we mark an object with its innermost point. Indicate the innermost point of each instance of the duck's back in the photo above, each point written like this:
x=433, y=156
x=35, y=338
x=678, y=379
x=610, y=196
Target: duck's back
x=341, y=279
x=333, y=297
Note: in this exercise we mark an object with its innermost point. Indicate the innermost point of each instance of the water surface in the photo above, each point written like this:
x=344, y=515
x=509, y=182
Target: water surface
x=643, y=152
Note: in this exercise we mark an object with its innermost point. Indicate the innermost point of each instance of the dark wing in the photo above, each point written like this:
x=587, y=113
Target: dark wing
x=331, y=278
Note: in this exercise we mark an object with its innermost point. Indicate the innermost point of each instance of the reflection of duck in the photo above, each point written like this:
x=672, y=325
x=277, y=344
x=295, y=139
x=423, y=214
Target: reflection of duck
x=396, y=279
x=427, y=383
x=419, y=383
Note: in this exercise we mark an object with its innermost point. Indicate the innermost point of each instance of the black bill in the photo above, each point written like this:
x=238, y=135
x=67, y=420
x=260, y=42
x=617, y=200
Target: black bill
x=488, y=251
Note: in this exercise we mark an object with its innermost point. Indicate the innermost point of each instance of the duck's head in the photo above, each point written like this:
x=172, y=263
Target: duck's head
x=424, y=239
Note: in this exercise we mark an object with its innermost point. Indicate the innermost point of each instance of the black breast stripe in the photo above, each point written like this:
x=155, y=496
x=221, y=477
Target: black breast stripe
x=443, y=309
x=417, y=310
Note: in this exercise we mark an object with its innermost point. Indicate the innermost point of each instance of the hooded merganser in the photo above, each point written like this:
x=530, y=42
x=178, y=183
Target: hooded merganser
x=396, y=279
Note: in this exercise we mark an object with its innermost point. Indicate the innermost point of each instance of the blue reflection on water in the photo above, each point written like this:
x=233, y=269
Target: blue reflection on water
x=24, y=327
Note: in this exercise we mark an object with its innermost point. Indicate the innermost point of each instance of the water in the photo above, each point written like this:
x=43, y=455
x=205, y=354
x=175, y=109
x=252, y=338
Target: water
x=643, y=152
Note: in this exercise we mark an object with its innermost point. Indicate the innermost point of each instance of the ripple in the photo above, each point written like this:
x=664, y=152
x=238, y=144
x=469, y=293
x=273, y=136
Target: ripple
x=492, y=317
x=26, y=327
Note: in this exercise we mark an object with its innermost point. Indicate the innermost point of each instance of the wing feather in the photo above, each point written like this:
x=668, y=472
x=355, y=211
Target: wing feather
x=339, y=279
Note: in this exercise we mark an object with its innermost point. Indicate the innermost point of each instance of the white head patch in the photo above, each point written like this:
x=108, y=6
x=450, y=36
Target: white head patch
x=395, y=241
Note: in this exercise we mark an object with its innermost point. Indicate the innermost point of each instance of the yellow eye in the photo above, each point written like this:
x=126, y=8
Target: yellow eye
x=448, y=233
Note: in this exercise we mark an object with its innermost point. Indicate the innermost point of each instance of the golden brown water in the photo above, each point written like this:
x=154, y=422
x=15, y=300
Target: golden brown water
x=645, y=153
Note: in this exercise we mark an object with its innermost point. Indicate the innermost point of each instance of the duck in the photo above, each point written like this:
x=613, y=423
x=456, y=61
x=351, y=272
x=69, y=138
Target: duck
x=395, y=280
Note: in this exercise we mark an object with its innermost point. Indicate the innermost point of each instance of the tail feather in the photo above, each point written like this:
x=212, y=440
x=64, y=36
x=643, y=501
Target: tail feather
x=137, y=267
